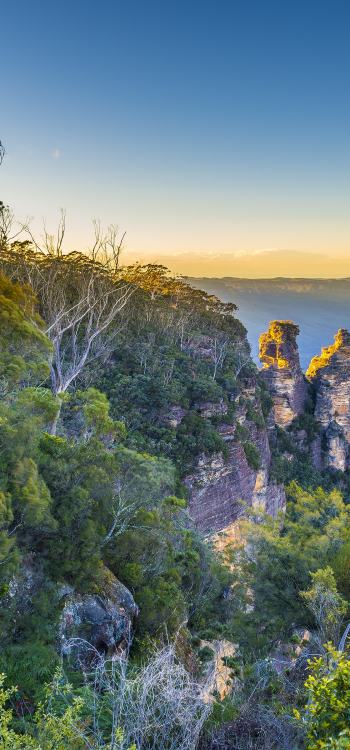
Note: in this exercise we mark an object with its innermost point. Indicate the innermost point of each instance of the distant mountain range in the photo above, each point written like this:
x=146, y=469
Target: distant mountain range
x=318, y=306
x=257, y=264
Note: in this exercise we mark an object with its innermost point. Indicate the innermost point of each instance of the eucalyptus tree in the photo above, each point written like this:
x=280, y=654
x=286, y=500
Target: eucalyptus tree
x=81, y=297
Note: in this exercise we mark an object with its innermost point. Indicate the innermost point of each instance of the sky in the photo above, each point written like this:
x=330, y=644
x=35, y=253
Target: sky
x=216, y=134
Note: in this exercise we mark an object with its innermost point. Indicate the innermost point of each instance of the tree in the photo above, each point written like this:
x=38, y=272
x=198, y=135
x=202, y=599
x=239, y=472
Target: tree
x=277, y=560
x=327, y=606
x=9, y=739
x=25, y=350
x=81, y=297
x=53, y=729
x=326, y=714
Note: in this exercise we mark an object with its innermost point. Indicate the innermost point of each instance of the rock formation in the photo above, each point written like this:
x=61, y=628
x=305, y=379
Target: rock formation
x=330, y=374
x=281, y=371
x=218, y=675
x=90, y=624
x=222, y=486
x=94, y=624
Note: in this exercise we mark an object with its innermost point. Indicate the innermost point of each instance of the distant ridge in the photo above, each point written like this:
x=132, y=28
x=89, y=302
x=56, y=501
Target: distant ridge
x=319, y=306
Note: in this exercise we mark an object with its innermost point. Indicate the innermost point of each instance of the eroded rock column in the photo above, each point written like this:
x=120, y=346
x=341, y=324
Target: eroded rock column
x=330, y=374
x=278, y=351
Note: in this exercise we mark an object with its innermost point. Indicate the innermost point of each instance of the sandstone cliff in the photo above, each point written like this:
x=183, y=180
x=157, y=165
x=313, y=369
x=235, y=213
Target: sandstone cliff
x=281, y=371
x=221, y=486
x=330, y=374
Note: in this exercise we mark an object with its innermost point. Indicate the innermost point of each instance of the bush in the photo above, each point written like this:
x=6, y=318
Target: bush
x=327, y=712
x=241, y=433
x=196, y=435
x=206, y=653
x=254, y=415
x=252, y=455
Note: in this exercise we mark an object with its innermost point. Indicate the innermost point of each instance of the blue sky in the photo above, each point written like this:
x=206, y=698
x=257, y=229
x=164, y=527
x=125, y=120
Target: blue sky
x=198, y=127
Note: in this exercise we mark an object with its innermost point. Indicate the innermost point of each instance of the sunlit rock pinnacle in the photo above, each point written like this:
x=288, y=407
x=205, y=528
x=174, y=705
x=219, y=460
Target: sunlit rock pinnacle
x=330, y=374
x=278, y=352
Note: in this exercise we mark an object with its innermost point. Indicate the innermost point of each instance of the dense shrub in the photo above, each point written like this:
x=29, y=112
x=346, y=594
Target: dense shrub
x=252, y=455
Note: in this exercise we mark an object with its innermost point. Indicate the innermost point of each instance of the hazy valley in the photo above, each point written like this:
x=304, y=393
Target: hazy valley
x=318, y=306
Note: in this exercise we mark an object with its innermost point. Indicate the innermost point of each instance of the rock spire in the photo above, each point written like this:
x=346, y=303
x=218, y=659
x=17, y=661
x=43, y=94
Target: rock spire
x=278, y=352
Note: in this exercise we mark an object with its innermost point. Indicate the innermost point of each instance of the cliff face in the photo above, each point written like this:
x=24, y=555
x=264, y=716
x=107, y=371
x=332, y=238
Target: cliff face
x=281, y=371
x=222, y=486
x=330, y=374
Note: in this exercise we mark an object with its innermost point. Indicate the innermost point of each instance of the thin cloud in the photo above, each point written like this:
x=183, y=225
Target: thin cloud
x=56, y=153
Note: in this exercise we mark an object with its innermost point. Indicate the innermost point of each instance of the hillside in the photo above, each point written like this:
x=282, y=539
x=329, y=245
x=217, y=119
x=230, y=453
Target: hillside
x=171, y=516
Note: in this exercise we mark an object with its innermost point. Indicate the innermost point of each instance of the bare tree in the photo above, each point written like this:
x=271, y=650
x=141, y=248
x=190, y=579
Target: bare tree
x=157, y=706
x=220, y=345
x=81, y=297
x=8, y=231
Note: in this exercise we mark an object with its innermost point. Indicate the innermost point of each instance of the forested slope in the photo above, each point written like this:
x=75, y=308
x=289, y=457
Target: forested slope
x=132, y=420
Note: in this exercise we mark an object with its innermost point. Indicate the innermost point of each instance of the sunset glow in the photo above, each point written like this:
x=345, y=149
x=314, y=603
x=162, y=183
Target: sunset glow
x=222, y=158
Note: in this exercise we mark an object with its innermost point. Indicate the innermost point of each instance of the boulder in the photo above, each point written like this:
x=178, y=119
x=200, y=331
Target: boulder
x=97, y=624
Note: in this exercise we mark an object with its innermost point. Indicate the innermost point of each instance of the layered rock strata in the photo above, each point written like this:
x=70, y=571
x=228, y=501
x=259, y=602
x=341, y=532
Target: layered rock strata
x=222, y=486
x=330, y=374
x=281, y=371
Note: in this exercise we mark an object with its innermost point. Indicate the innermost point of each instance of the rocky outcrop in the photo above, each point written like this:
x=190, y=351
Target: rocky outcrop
x=93, y=624
x=218, y=672
x=210, y=409
x=330, y=374
x=174, y=416
x=219, y=487
x=281, y=371
x=90, y=624
x=222, y=486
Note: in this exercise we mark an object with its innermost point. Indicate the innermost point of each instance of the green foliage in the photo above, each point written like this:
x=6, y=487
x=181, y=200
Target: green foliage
x=196, y=435
x=340, y=563
x=25, y=505
x=206, y=654
x=275, y=566
x=265, y=399
x=241, y=433
x=82, y=500
x=31, y=495
x=9, y=739
x=204, y=388
x=328, y=607
x=309, y=424
x=29, y=665
x=24, y=348
x=87, y=415
x=252, y=455
x=253, y=415
x=327, y=712
x=103, y=497
x=55, y=726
